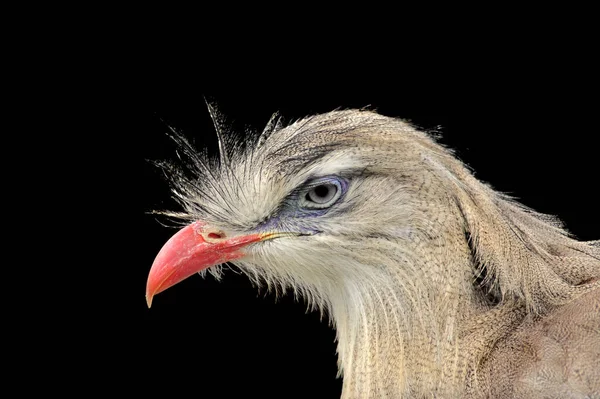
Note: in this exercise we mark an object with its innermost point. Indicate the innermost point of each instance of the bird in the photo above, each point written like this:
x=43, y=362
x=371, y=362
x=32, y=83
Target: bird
x=438, y=286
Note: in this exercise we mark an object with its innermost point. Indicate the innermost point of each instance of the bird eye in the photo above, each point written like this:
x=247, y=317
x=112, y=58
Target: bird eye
x=321, y=193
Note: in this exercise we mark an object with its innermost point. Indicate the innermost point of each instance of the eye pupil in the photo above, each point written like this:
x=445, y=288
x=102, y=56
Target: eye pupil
x=322, y=191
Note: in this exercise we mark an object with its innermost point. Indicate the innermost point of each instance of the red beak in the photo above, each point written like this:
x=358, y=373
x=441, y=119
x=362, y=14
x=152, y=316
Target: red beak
x=192, y=249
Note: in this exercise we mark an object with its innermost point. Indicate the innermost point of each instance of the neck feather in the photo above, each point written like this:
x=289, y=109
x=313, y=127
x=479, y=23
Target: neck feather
x=399, y=329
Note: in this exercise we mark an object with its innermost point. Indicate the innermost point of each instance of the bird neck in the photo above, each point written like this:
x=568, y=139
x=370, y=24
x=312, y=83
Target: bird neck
x=400, y=337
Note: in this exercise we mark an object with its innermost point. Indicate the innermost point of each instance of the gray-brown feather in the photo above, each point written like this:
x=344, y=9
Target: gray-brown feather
x=438, y=286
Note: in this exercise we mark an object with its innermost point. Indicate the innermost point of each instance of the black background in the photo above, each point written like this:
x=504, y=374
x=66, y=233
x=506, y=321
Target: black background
x=89, y=94
x=527, y=129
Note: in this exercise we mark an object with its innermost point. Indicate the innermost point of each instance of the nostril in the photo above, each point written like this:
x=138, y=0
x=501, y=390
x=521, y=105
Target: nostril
x=216, y=236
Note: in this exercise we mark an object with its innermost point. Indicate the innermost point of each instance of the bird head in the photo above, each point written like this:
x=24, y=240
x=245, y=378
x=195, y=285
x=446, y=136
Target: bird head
x=310, y=206
x=337, y=202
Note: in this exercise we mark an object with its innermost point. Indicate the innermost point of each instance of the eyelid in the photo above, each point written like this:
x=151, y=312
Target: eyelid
x=317, y=182
x=325, y=179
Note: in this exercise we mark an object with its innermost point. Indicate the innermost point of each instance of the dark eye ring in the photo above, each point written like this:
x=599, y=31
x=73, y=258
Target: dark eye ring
x=321, y=193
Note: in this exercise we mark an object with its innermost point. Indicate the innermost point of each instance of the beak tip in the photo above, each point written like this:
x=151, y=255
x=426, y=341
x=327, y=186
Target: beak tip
x=149, y=300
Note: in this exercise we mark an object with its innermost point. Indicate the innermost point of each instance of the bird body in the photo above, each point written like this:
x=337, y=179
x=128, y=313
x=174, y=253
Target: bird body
x=437, y=285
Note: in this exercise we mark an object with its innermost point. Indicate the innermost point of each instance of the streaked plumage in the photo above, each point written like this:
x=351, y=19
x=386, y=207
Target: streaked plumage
x=438, y=286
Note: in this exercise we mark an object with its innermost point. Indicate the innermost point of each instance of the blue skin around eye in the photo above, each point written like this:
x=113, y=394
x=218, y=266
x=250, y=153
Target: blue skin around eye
x=292, y=217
